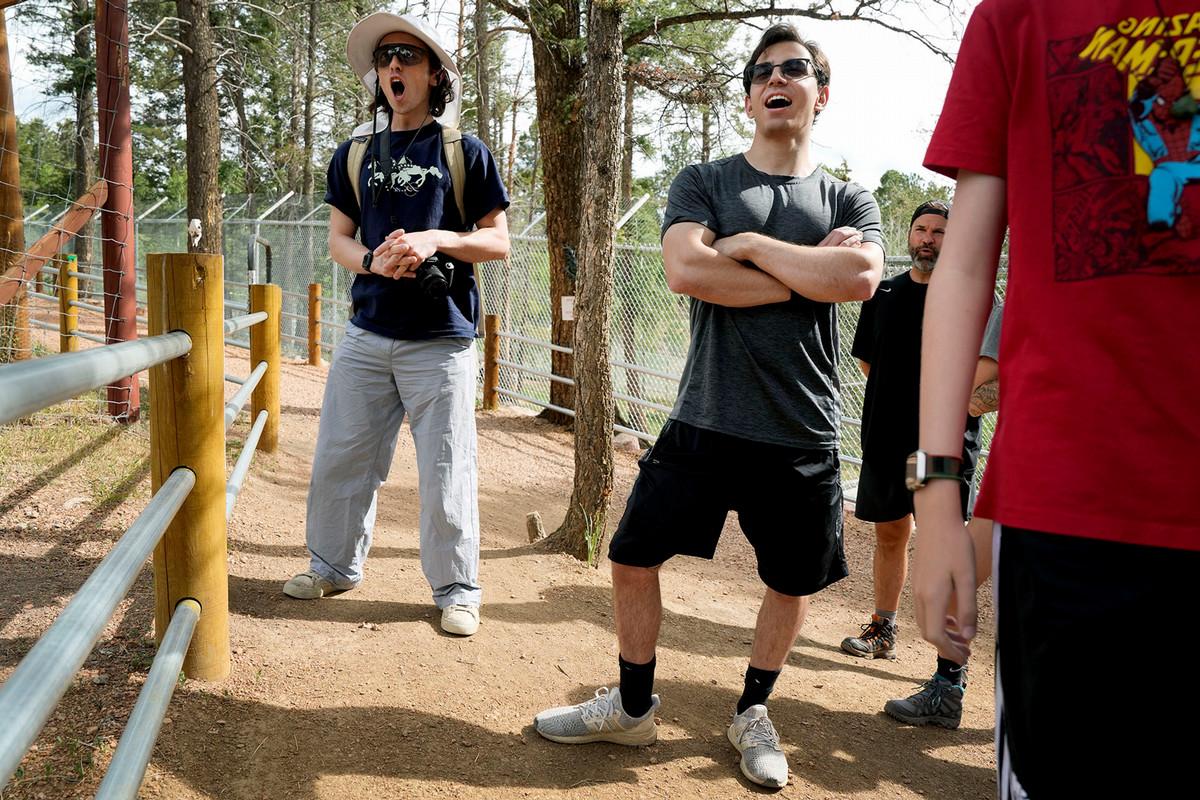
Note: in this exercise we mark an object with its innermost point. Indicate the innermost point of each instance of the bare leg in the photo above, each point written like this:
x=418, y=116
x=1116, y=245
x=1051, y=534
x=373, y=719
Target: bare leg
x=891, y=561
x=779, y=621
x=637, y=611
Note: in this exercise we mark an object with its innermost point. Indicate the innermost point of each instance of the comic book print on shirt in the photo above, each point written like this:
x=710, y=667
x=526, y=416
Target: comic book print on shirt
x=1126, y=142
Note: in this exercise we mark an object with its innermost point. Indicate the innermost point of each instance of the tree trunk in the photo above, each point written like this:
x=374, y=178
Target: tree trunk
x=14, y=316
x=306, y=182
x=705, y=134
x=85, y=127
x=203, y=125
x=558, y=76
x=483, y=88
x=582, y=532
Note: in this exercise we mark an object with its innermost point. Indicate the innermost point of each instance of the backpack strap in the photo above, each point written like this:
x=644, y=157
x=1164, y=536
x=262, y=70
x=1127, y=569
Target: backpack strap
x=354, y=162
x=452, y=146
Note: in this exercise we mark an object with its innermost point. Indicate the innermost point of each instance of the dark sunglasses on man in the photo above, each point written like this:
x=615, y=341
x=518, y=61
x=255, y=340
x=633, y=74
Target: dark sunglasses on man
x=409, y=54
x=793, y=69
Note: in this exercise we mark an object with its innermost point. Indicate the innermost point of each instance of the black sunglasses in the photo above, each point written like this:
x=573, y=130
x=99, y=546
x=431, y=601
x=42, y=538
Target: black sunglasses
x=793, y=69
x=408, y=54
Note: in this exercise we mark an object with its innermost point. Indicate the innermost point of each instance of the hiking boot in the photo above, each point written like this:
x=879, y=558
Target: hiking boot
x=878, y=640
x=460, y=620
x=763, y=761
x=309, y=586
x=939, y=702
x=601, y=719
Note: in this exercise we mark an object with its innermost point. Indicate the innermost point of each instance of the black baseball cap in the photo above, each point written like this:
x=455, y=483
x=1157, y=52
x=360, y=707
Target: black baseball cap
x=930, y=207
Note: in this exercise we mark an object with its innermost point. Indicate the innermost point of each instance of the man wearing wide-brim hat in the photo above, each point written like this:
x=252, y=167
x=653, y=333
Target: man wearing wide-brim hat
x=397, y=224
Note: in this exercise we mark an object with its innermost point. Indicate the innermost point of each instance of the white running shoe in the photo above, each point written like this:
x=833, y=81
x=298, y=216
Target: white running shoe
x=601, y=719
x=763, y=762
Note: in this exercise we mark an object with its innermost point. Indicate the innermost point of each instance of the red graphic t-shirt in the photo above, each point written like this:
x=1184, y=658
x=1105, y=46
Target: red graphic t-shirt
x=1089, y=110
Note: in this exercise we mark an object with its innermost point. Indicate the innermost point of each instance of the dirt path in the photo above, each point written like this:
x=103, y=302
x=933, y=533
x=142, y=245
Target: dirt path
x=362, y=696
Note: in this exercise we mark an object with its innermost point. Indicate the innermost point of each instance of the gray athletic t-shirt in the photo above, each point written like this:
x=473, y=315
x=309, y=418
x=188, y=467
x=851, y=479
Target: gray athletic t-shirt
x=766, y=373
x=991, y=334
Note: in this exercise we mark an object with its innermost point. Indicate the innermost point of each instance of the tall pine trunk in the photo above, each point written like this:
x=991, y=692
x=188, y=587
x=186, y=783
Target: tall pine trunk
x=582, y=532
x=203, y=125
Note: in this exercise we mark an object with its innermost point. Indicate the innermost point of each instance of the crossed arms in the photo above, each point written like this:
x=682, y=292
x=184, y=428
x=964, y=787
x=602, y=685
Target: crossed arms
x=841, y=268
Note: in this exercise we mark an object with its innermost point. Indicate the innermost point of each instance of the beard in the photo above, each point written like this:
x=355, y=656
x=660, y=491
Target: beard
x=922, y=263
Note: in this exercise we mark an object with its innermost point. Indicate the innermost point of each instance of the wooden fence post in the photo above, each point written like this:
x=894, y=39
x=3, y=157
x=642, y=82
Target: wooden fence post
x=68, y=315
x=491, y=366
x=264, y=346
x=187, y=429
x=314, y=324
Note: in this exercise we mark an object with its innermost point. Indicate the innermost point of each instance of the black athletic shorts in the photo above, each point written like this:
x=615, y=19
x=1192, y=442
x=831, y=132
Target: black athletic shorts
x=788, y=501
x=883, y=496
x=1095, y=668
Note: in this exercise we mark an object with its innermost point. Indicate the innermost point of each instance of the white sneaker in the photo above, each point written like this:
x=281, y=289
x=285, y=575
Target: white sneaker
x=601, y=719
x=763, y=762
x=308, y=586
x=460, y=620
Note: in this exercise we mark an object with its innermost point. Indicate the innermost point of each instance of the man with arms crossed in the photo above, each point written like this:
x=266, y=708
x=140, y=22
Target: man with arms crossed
x=754, y=428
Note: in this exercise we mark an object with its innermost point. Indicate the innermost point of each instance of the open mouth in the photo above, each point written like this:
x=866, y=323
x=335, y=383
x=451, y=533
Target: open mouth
x=397, y=87
x=778, y=101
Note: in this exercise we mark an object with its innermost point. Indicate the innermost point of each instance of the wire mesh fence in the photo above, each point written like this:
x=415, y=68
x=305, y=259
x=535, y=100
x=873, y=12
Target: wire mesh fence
x=285, y=243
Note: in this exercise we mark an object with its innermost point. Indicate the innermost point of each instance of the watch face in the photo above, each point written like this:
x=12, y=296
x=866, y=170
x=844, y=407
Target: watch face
x=914, y=471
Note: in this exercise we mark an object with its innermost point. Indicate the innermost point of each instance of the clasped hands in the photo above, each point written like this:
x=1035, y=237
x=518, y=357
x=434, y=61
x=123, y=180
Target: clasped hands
x=400, y=253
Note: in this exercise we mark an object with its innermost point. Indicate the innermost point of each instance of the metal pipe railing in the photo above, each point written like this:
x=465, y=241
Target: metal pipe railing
x=128, y=766
x=620, y=428
x=28, y=386
x=91, y=337
x=236, y=478
x=235, y=324
x=33, y=690
x=234, y=379
x=558, y=348
x=232, y=343
x=238, y=401
x=95, y=309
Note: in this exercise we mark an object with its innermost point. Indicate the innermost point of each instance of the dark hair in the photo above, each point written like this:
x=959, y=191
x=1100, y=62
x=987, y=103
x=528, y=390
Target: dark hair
x=930, y=207
x=440, y=95
x=783, y=32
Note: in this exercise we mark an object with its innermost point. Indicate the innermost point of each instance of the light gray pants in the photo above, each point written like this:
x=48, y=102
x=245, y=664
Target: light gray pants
x=373, y=383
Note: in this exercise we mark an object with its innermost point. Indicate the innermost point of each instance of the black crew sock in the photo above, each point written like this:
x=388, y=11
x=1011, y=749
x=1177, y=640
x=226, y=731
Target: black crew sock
x=759, y=683
x=952, y=671
x=637, y=682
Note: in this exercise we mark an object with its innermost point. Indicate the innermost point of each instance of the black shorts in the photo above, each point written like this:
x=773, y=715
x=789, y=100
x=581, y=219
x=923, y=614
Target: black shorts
x=883, y=496
x=1094, y=667
x=788, y=501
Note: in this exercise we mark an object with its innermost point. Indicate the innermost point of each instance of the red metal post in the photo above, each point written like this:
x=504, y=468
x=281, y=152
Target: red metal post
x=116, y=166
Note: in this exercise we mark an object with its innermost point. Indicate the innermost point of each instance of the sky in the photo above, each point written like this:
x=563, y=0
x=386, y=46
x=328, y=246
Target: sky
x=887, y=90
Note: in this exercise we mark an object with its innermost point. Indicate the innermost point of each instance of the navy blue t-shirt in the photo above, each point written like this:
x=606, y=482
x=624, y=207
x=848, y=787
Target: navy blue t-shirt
x=417, y=196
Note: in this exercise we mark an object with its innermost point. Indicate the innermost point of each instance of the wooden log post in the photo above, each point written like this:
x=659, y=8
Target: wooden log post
x=14, y=316
x=187, y=429
x=314, y=324
x=264, y=346
x=491, y=362
x=68, y=315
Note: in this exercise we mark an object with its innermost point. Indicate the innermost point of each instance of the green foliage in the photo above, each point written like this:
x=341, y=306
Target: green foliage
x=47, y=161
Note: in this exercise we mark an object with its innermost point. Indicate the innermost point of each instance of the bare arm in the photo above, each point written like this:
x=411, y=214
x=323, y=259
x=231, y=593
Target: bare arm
x=696, y=269
x=824, y=274
x=344, y=249
x=986, y=396
x=865, y=367
x=488, y=242
x=960, y=296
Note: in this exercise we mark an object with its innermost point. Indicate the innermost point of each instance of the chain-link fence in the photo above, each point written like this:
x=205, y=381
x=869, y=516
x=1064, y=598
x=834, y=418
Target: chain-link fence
x=650, y=323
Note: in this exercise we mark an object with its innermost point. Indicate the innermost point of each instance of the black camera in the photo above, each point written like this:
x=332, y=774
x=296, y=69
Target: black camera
x=435, y=275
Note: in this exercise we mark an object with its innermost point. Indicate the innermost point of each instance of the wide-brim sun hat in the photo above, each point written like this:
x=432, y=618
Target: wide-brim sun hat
x=364, y=38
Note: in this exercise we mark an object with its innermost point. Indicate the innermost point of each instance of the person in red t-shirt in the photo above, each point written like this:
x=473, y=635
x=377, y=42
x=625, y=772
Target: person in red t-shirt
x=1092, y=476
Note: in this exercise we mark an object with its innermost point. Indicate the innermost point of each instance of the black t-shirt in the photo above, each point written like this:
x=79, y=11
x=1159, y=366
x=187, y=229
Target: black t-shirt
x=417, y=196
x=888, y=337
